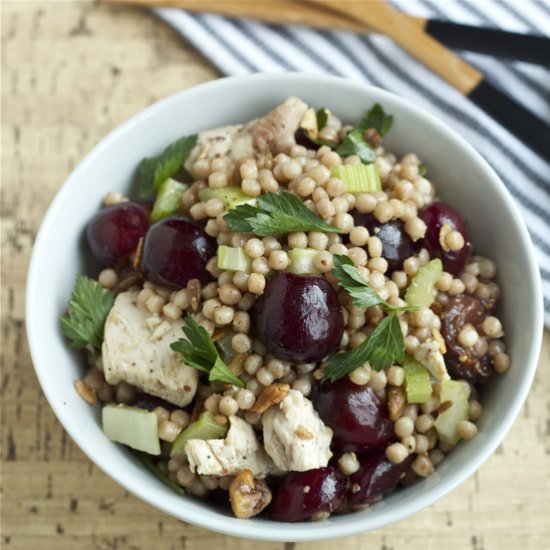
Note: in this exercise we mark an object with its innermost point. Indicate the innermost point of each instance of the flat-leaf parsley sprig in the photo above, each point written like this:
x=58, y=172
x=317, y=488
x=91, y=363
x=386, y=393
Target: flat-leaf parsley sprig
x=382, y=349
x=88, y=309
x=385, y=346
x=362, y=294
x=200, y=352
x=276, y=213
x=153, y=171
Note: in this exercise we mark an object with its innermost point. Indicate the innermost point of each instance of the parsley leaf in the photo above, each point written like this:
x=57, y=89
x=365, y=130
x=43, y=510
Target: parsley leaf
x=88, y=309
x=354, y=144
x=383, y=348
x=322, y=118
x=376, y=118
x=422, y=169
x=363, y=295
x=199, y=352
x=276, y=213
x=153, y=171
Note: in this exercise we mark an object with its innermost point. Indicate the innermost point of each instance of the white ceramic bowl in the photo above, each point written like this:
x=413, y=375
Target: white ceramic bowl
x=463, y=179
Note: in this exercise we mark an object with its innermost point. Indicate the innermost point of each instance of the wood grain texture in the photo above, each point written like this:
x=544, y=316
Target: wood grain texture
x=71, y=72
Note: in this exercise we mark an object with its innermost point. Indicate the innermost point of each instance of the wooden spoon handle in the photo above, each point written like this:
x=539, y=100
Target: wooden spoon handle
x=280, y=12
x=383, y=19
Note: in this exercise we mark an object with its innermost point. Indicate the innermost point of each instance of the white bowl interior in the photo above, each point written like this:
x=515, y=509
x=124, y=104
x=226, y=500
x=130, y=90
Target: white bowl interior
x=463, y=179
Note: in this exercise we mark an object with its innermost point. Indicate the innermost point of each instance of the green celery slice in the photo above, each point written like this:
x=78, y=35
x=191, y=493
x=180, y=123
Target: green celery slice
x=132, y=426
x=421, y=290
x=205, y=427
x=358, y=178
x=302, y=261
x=447, y=422
x=233, y=259
x=417, y=381
x=231, y=196
x=154, y=469
x=168, y=199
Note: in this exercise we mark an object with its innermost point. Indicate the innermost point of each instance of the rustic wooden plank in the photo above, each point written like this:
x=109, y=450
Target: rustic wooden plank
x=71, y=72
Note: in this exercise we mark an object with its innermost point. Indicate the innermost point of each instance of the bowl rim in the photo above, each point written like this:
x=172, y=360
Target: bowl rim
x=268, y=530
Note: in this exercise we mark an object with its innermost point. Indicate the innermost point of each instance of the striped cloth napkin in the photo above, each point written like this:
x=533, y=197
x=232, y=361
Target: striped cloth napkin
x=244, y=46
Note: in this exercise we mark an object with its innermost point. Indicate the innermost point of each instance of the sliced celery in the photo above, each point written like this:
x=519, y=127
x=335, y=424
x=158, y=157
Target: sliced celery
x=358, y=178
x=154, y=469
x=168, y=199
x=205, y=427
x=421, y=290
x=231, y=196
x=302, y=261
x=233, y=259
x=132, y=426
x=455, y=393
x=417, y=381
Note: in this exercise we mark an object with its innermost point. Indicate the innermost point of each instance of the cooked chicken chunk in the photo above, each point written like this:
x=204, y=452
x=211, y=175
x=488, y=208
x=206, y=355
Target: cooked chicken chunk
x=275, y=131
x=429, y=355
x=139, y=353
x=272, y=133
x=294, y=435
x=239, y=450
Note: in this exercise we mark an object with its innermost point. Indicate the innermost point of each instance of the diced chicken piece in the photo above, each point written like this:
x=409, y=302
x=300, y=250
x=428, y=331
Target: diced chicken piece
x=294, y=435
x=141, y=355
x=216, y=143
x=429, y=354
x=273, y=132
x=240, y=450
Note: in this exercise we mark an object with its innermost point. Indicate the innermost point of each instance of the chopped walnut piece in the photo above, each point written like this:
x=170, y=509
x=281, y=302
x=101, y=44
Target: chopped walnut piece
x=372, y=137
x=248, y=496
x=88, y=394
x=139, y=252
x=219, y=333
x=127, y=282
x=194, y=293
x=440, y=340
x=396, y=402
x=270, y=395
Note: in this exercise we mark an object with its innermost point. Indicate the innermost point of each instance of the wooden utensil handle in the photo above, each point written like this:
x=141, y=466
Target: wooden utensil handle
x=383, y=19
x=279, y=12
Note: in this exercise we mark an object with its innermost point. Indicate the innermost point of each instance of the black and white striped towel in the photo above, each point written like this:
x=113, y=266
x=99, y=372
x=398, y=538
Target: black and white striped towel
x=244, y=46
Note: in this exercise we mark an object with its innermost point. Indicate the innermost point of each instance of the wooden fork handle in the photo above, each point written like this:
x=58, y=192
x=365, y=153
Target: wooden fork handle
x=279, y=12
x=381, y=18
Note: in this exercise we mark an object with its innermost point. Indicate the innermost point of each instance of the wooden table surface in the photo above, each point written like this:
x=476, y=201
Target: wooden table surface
x=71, y=72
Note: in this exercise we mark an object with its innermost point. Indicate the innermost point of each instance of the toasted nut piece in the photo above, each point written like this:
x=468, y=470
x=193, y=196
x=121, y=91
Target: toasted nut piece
x=139, y=252
x=439, y=339
x=270, y=395
x=248, y=496
x=194, y=293
x=219, y=333
x=396, y=402
x=372, y=137
x=88, y=394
